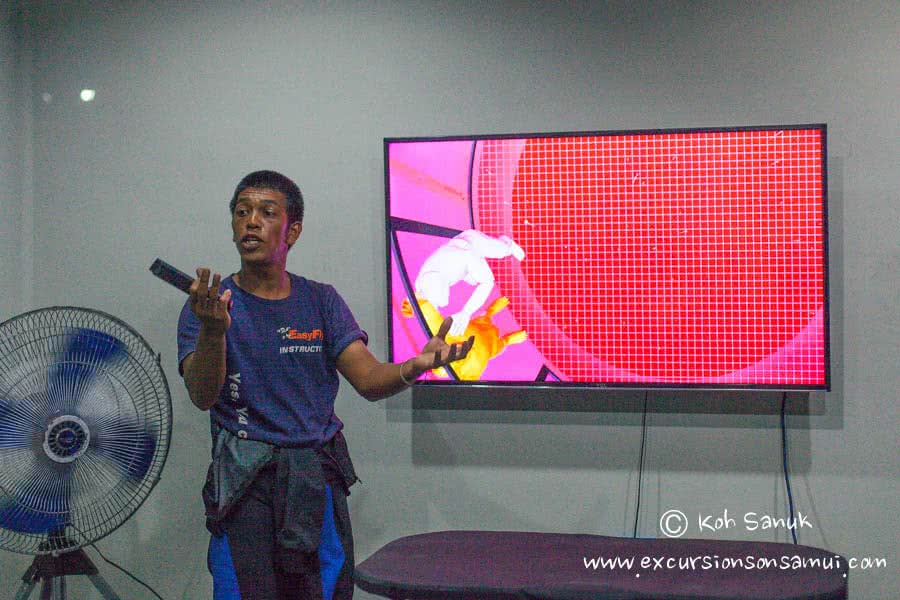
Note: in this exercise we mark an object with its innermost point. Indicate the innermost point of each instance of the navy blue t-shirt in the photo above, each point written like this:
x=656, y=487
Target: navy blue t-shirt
x=281, y=379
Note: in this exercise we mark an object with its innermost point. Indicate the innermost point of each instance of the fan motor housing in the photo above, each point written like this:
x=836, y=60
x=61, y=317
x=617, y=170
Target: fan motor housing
x=66, y=438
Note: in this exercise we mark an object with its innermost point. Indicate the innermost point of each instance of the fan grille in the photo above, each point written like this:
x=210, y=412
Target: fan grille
x=85, y=421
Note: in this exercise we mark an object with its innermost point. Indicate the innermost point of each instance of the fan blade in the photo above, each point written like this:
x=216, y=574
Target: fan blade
x=85, y=351
x=39, y=502
x=16, y=517
x=15, y=431
x=126, y=443
x=22, y=404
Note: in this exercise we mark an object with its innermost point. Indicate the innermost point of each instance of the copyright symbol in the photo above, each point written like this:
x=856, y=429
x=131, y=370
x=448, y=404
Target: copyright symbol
x=673, y=523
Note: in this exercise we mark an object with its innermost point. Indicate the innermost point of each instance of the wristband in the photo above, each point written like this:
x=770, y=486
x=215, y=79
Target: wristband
x=403, y=379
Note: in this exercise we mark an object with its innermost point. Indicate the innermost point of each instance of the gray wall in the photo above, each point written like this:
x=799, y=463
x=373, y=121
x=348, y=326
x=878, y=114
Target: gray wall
x=190, y=96
x=13, y=133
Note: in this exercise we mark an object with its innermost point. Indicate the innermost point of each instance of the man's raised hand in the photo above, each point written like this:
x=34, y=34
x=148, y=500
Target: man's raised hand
x=210, y=307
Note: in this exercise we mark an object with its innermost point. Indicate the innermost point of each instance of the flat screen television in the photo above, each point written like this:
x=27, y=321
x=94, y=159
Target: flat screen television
x=682, y=258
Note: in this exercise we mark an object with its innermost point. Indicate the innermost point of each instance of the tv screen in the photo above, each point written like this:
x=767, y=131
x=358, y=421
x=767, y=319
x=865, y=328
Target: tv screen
x=674, y=258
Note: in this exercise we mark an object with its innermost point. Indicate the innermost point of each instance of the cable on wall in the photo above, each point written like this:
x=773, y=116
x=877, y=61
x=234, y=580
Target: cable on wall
x=637, y=508
x=784, y=457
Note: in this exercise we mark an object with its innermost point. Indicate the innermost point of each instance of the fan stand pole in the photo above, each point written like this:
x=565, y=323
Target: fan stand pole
x=52, y=570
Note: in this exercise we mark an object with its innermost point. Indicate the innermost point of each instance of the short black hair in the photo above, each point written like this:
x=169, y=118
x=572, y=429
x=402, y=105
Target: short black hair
x=271, y=180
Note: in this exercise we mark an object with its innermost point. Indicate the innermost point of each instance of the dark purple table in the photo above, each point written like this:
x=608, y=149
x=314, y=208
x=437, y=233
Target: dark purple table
x=495, y=565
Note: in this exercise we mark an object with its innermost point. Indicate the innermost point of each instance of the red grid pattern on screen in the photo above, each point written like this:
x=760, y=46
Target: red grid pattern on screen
x=670, y=257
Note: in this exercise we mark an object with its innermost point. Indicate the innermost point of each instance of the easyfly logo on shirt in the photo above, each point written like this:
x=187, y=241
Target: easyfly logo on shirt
x=288, y=333
x=310, y=337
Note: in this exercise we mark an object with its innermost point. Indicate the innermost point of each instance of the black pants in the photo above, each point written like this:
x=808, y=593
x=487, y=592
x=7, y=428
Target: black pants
x=246, y=562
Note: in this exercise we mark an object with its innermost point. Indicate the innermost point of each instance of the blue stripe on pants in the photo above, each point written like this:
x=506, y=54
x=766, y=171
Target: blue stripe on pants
x=331, y=552
x=225, y=584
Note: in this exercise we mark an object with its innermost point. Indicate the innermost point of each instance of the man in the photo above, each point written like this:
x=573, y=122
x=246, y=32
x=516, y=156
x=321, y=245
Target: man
x=261, y=350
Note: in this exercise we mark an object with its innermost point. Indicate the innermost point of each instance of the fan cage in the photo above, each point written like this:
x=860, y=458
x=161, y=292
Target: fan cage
x=128, y=408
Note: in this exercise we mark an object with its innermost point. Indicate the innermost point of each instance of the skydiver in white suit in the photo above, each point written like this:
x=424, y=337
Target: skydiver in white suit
x=463, y=259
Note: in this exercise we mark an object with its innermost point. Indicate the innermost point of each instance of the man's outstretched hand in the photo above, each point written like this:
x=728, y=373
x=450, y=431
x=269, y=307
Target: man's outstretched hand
x=438, y=353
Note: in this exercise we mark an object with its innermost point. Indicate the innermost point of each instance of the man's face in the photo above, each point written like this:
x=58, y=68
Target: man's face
x=260, y=225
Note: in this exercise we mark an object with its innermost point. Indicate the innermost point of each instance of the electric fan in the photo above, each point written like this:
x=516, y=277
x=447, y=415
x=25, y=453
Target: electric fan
x=85, y=421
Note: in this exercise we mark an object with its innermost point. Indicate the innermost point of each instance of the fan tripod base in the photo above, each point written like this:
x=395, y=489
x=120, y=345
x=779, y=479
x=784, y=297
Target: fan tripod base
x=51, y=571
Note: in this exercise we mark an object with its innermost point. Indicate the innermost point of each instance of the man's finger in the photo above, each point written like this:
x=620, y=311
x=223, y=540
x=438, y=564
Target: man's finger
x=462, y=350
x=214, y=286
x=202, y=282
x=225, y=300
x=445, y=327
x=455, y=352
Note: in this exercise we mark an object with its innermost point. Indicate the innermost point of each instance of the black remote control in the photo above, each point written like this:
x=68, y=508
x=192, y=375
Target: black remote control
x=171, y=275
